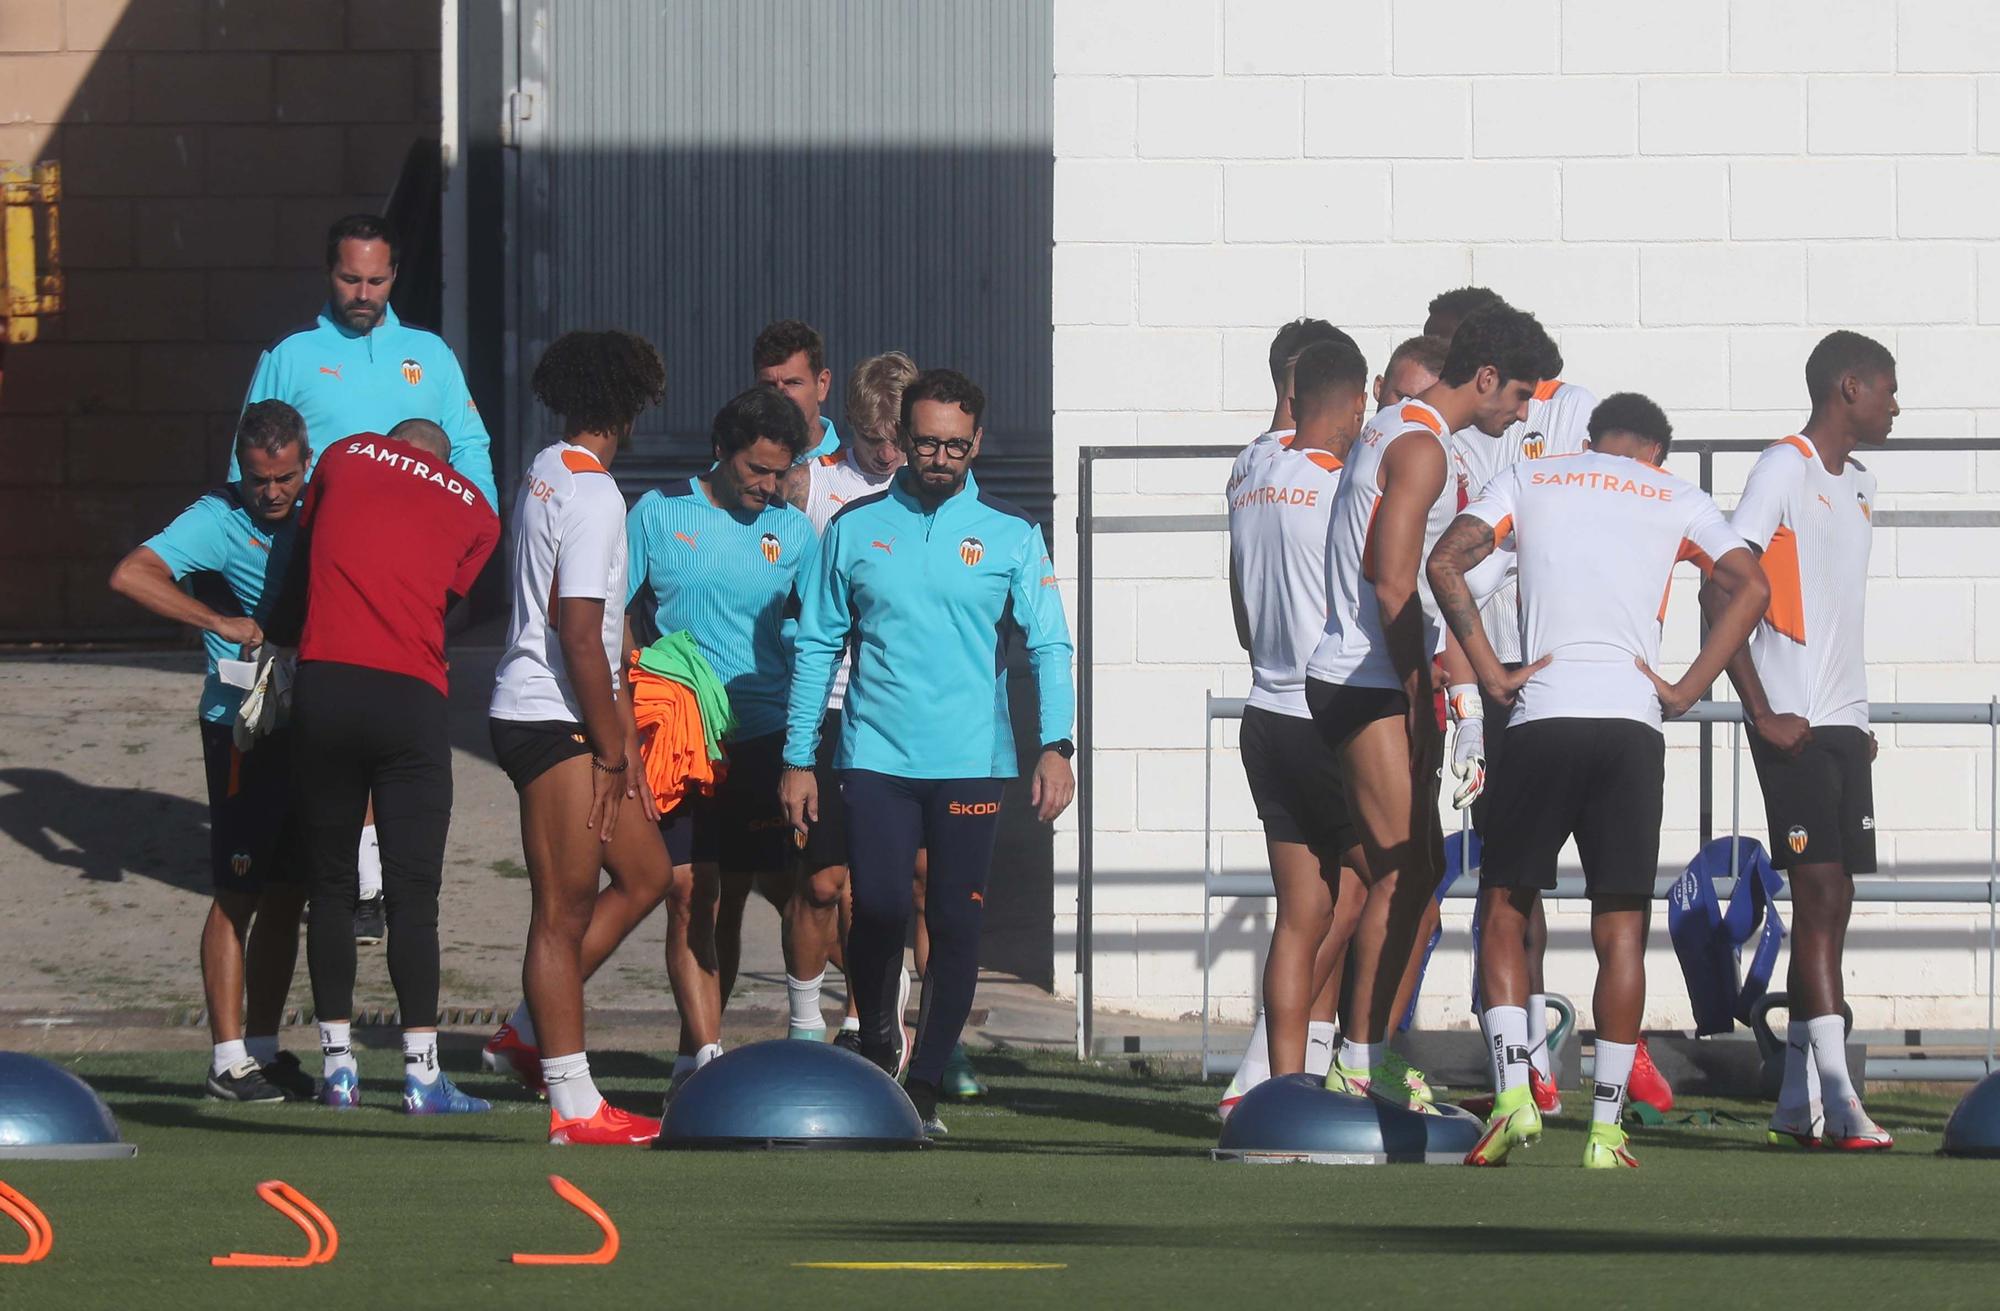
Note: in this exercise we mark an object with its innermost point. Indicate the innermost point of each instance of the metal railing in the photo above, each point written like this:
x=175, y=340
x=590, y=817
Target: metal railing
x=1089, y=523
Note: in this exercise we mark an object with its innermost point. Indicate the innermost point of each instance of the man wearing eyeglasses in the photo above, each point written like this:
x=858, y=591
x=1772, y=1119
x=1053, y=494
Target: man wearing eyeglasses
x=922, y=581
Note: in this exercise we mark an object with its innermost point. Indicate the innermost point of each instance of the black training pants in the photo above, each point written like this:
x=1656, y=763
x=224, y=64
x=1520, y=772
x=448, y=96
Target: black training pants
x=956, y=821
x=358, y=732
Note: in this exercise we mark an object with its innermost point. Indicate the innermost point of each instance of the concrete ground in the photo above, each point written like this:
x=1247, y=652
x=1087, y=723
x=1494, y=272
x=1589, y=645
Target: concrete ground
x=103, y=852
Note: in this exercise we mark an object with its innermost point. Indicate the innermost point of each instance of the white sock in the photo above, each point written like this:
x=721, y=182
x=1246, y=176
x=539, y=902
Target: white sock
x=420, y=1056
x=335, y=1048
x=804, y=997
x=572, y=1094
x=1614, y=1071
x=369, y=859
x=1360, y=1057
x=1321, y=1035
x=1801, y=1086
x=850, y=1024
x=1507, y=1047
x=227, y=1055
x=523, y=1023
x=1255, y=1067
x=1538, y=1032
x=263, y=1049
x=1828, y=1035
x=706, y=1054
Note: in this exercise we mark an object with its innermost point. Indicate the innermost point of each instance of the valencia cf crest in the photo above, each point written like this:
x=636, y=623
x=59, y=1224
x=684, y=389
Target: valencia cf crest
x=771, y=547
x=972, y=551
x=413, y=372
x=239, y=864
x=1796, y=840
x=1533, y=446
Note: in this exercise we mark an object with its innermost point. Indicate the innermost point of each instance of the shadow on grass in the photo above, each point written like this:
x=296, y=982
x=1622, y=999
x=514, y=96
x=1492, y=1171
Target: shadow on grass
x=176, y=1115
x=1482, y=1240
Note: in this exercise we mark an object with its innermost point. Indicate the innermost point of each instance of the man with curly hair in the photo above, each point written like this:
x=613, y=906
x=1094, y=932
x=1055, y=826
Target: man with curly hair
x=563, y=731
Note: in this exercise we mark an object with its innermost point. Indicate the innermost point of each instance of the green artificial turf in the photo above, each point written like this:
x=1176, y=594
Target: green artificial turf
x=1101, y=1169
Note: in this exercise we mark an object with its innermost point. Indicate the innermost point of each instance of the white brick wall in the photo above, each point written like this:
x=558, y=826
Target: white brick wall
x=1690, y=195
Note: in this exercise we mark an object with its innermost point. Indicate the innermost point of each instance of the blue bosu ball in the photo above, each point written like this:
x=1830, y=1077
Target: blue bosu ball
x=1974, y=1128
x=1294, y=1118
x=48, y=1114
x=786, y=1093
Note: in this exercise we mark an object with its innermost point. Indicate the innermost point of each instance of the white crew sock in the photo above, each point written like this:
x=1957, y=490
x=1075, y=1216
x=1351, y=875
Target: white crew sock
x=1801, y=1086
x=1538, y=1032
x=572, y=1093
x=804, y=997
x=336, y=1049
x=522, y=1023
x=1255, y=1067
x=850, y=1024
x=227, y=1055
x=369, y=860
x=1321, y=1036
x=1828, y=1035
x=420, y=1056
x=707, y=1054
x=1507, y=1047
x=263, y=1048
x=1360, y=1057
x=1614, y=1071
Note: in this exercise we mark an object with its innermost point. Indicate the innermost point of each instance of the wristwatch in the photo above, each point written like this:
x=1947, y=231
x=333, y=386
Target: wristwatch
x=1063, y=747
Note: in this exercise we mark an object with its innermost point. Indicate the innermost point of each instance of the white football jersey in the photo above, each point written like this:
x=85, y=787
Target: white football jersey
x=1277, y=551
x=831, y=482
x=1246, y=459
x=1815, y=530
x=1595, y=540
x=1352, y=650
x=1557, y=424
x=569, y=540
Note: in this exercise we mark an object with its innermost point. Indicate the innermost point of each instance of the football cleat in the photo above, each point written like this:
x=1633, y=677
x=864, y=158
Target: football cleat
x=1395, y=1072
x=341, y=1090
x=1514, y=1123
x=1383, y=1083
x=243, y=1082
x=371, y=922
x=507, y=1053
x=1606, y=1149
x=440, y=1098
x=1797, y=1126
x=848, y=1040
x=287, y=1073
x=960, y=1083
x=1855, y=1132
x=925, y=1099
x=816, y=1034
x=1548, y=1097
x=1647, y=1084
x=607, y=1126
x=674, y=1089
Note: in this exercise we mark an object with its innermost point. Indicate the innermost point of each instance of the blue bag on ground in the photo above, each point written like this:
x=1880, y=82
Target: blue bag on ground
x=1709, y=939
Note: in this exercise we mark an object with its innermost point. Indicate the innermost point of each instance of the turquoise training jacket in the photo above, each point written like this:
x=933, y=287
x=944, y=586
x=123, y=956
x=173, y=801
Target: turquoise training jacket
x=925, y=599
x=343, y=382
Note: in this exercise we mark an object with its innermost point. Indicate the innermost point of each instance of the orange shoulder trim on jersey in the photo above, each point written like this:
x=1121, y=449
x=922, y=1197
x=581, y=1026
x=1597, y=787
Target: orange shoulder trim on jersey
x=583, y=462
x=1418, y=414
x=1787, y=611
x=1287, y=440
x=1548, y=388
x=828, y=461
x=1694, y=555
x=1799, y=444
x=1501, y=529
x=1326, y=460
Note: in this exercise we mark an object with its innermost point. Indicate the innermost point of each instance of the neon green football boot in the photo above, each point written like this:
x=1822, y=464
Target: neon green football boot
x=1606, y=1149
x=960, y=1083
x=1514, y=1123
x=1395, y=1072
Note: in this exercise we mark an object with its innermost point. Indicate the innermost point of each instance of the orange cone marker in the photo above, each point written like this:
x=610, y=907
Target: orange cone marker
x=322, y=1239
x=576, y=1197
x=41, y=1236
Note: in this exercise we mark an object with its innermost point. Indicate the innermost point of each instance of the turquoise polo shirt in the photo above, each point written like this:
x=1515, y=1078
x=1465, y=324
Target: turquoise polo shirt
x=344, y=382
x=238, y=561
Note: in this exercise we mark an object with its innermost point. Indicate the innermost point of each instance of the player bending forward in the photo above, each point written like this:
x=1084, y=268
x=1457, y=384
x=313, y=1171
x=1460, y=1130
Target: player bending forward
x=1596, y=537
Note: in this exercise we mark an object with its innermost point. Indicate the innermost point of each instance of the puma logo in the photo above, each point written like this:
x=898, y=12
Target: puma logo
x=260, y=546
x=836, y=498
x=333, y=372
x=686, y=537
x=1822, y=500
x=887, y=548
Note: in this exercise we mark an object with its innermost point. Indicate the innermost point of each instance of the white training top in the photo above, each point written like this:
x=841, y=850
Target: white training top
x=831, y=482
x=569, y=541
x=1557, y=424
x=1814, y=529
x=1352, y=650
x=1260, y=446
x=1277, y=551
x=1595, y=539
